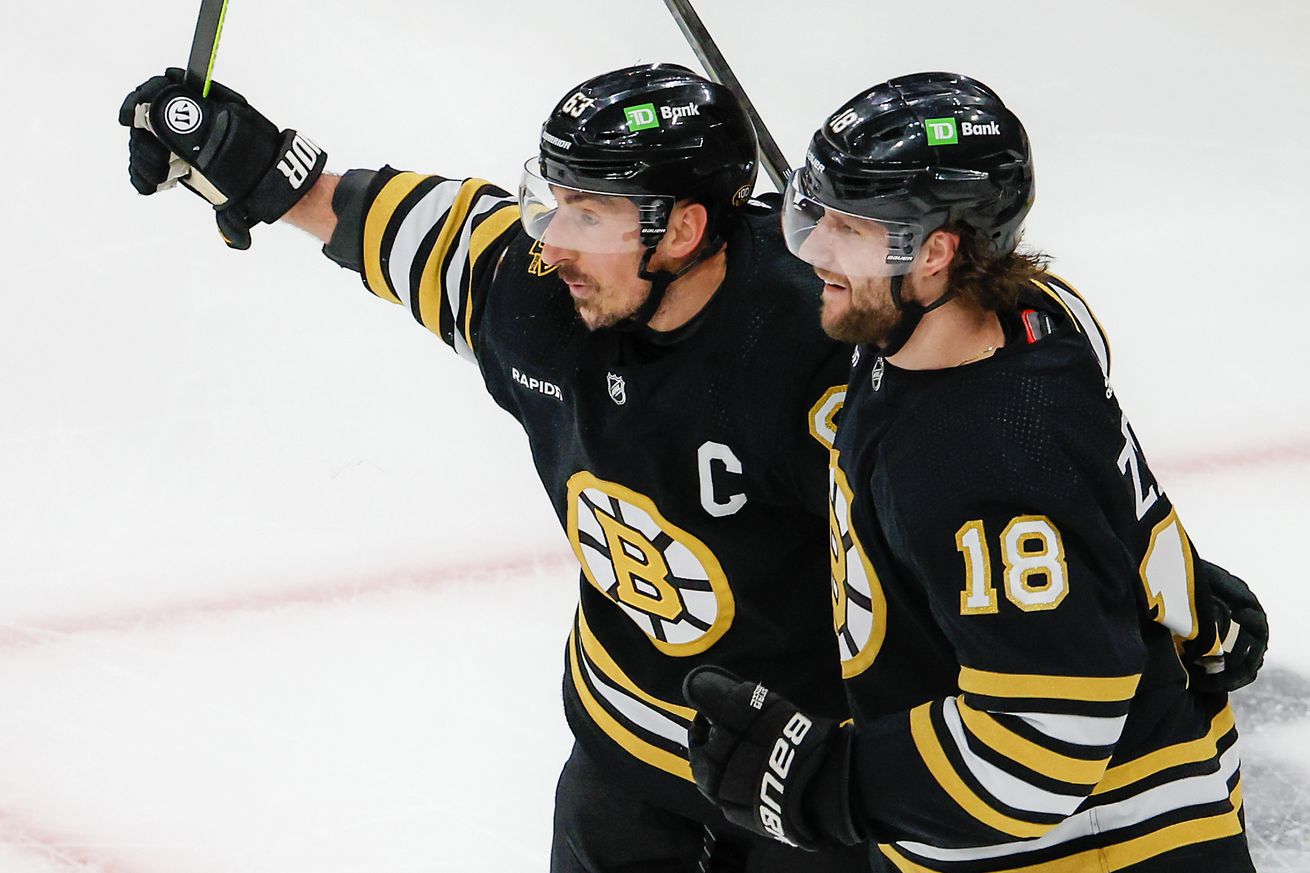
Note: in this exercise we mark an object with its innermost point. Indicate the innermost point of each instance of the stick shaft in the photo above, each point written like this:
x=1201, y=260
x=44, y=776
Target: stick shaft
x=717, y=67
x=204, y=45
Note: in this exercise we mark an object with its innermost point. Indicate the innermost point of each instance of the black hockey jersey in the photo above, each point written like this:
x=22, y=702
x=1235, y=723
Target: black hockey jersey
x=1013, y=590
x=688, y=477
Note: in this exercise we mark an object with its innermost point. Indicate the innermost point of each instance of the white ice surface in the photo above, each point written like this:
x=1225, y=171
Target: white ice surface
x=278, y=590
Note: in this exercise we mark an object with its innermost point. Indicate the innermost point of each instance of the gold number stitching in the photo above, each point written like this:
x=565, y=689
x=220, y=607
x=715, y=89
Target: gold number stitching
x=1022, y=563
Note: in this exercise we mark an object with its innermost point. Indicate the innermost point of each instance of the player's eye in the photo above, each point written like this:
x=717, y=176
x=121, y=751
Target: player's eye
x=836, y=225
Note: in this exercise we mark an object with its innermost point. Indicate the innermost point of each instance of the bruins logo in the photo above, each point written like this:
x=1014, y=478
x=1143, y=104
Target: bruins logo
x=537, y=266
x=665, y=579
x=859, y=608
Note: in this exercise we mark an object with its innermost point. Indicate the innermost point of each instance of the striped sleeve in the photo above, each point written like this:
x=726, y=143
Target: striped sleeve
x=1018, y=754
x=1010, y=758
x=1042, y=619
x=431, y=244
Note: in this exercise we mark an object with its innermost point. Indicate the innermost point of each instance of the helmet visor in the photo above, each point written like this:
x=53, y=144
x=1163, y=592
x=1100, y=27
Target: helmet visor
x=842, y=242
x=589, y=221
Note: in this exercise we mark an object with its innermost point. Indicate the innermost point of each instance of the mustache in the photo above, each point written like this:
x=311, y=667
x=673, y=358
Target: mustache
x=573, y=276
x=832, y=278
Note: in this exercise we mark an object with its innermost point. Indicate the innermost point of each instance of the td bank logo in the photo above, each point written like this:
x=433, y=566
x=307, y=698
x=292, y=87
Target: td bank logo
x=641, y=117
x=941, y=131
x=944, y=131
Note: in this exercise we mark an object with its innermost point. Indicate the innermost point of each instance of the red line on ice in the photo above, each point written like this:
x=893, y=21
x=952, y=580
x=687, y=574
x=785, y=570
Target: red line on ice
x=74, y=858
x=1224, y=462
x=65, y=852
x=61, y=852
x=24, y=636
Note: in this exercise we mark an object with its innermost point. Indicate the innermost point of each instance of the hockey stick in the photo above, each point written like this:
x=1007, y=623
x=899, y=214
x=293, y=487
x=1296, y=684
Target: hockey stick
x=204, y=45
x=198, y=76
x=717, y=67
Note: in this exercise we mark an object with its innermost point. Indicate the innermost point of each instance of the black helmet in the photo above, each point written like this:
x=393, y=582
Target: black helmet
x=914, y=154
x=652, y=134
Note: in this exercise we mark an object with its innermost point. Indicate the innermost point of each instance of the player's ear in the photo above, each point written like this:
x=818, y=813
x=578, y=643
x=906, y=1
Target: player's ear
x=938, y=251
x=686, y=230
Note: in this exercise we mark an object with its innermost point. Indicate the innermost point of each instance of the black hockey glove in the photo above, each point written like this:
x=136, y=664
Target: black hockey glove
x=769, y=767
x=221, y=148
x=1243, y=631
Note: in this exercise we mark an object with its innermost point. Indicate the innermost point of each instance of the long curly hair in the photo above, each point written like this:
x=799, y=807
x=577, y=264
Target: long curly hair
x=992, y=282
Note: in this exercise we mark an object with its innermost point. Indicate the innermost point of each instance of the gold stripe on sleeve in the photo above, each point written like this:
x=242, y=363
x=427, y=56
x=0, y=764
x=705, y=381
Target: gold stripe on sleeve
x=601, y=658
x=1190, y=752
x=431, y=289
x=1098, y=689
x=1112, y=858
x=380, y=215
x=930, y=749
x=634, y=745
x=1119, y=855
x=487, y=232
x=1037, y=758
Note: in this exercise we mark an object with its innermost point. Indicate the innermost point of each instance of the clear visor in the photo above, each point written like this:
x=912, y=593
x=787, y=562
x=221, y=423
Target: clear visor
x=844, y=243
x=588, y=221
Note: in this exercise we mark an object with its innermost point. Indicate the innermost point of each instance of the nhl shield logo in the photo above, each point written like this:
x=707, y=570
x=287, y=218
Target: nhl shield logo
x=618, y=389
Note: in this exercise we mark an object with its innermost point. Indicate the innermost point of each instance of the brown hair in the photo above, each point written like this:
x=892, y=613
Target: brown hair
x=993, y=282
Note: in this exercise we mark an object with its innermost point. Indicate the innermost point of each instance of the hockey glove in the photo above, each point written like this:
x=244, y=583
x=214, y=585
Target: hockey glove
x=769, y=767
x=221, y=148
x=1243, y=632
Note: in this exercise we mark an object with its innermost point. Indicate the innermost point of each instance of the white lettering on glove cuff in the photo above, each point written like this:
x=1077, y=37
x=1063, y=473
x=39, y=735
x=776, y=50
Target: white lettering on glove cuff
x=775, y=777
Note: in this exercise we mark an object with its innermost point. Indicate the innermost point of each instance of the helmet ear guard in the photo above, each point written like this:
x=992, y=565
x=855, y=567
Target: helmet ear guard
x=653, y=218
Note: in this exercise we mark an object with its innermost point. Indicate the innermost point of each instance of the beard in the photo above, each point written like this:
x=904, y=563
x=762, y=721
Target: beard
x=866, y=315
x=597, y=309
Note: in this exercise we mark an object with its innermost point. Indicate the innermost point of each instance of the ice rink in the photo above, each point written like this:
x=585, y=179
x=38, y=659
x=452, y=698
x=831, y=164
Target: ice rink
x=279, y=592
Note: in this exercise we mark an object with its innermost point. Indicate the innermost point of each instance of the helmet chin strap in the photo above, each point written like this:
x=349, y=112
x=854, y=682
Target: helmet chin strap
x=911, y=315
x=660, y=280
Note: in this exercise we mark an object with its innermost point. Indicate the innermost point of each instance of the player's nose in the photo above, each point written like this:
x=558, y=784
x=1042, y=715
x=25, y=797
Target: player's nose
x=553, y=255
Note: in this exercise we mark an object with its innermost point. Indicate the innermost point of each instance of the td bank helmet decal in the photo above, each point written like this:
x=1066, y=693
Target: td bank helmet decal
x=666, y=580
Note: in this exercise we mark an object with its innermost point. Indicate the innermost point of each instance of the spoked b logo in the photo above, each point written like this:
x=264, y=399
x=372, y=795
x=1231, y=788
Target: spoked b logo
x=183, y=115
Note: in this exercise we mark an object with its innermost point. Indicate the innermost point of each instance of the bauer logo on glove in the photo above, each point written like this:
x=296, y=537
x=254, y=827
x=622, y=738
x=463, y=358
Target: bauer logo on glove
x=770, y=767
x=773, y=785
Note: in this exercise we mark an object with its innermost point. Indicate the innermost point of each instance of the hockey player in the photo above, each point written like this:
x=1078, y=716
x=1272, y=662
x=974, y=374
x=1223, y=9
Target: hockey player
x=1015, y=594
x=648, y=329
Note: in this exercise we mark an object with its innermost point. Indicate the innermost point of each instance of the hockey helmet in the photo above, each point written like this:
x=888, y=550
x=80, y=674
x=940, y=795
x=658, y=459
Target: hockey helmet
x=901, y=160
x=629, y=144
